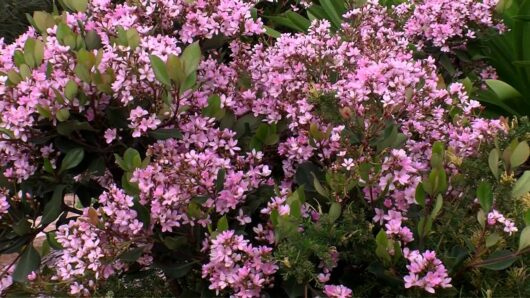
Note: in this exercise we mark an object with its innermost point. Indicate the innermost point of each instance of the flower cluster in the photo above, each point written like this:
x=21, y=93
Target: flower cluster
x=4, y=204
x=425, y=271
x=92, y=243
x=333, y=291
x=495, y=217
x=181, y=170
x=6, y=280
x=236, y=264
x=448, y=24
x=211, y=132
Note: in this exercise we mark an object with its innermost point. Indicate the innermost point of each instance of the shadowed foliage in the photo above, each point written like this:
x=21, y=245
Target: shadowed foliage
x=13, y=20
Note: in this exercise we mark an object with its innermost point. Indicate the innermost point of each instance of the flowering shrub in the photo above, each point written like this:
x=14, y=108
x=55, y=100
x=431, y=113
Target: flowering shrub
x=332, y=162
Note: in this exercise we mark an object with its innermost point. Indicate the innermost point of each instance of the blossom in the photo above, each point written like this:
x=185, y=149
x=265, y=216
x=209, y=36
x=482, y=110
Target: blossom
x=236, y=264
x=425, y=271
x=495, y=217
x=337, y=291
x=110, y=135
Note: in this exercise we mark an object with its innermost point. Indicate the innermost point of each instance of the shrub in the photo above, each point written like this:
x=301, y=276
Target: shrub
x=335, y=161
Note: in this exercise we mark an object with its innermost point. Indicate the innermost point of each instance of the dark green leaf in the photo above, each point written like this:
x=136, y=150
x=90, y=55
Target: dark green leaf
x=166, y=133
x=72, y=159
x=499, y=260
x=160, y=70
x=29, y=261
x=53, y=209
x=191, y=57
x=220, y=181
x=177, y=270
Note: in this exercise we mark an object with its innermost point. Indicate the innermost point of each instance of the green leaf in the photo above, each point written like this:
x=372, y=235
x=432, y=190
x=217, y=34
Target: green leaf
x=25, y=71
x=38, y=52
x=143, y=213
x=437, y=206
x=526, y=217
x=77, y=5
x=522, y=186
x=424, y=226
x=66, y=128
x=71, y=89
x=520, y=154
x=191, y=57
x=177, y=270
x=194, y=210
x=7, y=132
x=29, y=49
x=493, y=162
x=330, y=10
x=92, y=40
x=189, y=83
x=63, y=115
x=298, y=20
x=420, y=195
x=285, y=22
x=14, y=77
x=43, y=20
x=165, y=133
x=272, y=33
x=485, y=196
x=18, y=58
x=132, y=255
x=214, y=109
x=133, y=38
x=29, y=261
x=499, y=260
x=22, y=227
x=222, y=224
x=295, y=209
x=82, y=72
x=334, y=212
x=130, y=188
x=53, y=208
x=220, y=181
x=160, y=70
x=319, y=188
x=502, y=89
x=382, y=244
x=51, y=238
x=132, y=159
x=492, y=239
x=175, y=69
x=481, y=218
x=72, y=159
x=524, y=238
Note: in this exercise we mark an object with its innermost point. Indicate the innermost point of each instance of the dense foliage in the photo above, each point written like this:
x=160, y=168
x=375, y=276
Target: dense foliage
x=247, y=148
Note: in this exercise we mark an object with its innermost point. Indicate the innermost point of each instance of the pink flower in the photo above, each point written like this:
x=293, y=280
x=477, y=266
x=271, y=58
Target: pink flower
x=334, y=291
x=425, y=271
x=236, y=264
x=110, y=135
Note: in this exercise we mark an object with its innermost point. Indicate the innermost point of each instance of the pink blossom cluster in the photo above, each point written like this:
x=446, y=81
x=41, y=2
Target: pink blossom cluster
x=400, y=178
x=134, y=77
x=93, y=242
x=181, y=170
x=496, y=218
x=4, y=204
x=237, y=265
x=337, y=291
x=366, y=68
x=6, y=280
x=425, y=271
x=448, y=24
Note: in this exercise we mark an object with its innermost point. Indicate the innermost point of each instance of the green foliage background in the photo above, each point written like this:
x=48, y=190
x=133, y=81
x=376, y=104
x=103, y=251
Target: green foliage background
x=13, y=20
